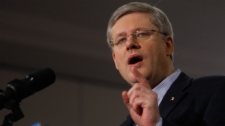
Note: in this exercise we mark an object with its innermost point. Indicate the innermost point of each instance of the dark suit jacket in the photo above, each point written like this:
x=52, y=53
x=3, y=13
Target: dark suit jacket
x=198, y=101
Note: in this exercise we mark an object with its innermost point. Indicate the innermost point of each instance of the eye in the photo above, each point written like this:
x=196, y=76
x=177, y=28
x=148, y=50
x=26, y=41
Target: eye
x=120, y=40
x=143, y=34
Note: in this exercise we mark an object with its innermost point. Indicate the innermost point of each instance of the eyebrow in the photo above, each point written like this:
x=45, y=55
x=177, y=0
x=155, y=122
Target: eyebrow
x=120, y=34
x=124, y=33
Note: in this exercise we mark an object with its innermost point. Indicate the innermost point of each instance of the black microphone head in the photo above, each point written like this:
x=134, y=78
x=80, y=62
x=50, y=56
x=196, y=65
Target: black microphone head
x=42, y=78
x=31, y=84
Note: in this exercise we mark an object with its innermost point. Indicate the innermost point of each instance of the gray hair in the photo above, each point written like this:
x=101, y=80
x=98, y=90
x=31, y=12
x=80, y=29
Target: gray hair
x=158, y=17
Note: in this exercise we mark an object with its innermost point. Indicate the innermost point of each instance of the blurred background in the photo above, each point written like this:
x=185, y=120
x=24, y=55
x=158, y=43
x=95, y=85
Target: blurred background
x=69, y=36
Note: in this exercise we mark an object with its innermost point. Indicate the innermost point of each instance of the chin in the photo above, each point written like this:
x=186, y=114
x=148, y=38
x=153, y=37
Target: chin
x=132, y=81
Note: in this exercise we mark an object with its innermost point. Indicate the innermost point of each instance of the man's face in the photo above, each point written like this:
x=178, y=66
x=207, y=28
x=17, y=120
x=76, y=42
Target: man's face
x=150, y=57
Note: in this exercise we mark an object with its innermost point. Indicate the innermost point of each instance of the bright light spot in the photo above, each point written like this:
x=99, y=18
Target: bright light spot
x=36, y=124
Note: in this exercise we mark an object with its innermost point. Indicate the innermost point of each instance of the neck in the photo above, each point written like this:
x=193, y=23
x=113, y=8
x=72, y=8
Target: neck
x=164, y=73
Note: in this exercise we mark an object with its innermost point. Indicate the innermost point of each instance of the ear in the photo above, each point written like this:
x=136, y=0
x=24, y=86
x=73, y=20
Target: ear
x=169, y=45
x=114, y=59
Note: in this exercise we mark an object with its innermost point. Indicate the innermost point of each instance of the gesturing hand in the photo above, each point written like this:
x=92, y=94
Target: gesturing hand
x=142, y=102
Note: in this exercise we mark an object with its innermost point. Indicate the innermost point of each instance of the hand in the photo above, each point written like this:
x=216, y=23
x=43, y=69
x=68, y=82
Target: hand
x=142, y=102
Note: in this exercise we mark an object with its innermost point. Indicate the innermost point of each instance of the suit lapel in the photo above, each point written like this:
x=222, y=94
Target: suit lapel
x=128, y=122
x=174, y=95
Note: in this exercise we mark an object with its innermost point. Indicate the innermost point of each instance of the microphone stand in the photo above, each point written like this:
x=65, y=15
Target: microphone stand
x=12, y=105
x=19, y=89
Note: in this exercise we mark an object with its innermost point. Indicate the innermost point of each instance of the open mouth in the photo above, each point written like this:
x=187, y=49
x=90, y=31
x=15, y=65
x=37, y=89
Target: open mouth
x=134, y=59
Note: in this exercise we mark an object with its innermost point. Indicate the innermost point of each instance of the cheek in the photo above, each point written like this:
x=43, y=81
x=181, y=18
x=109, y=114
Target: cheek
x=122, y=68
x=153, y=54
x=154, y=49
x=118, y=60
x=118, y=63
x=148, y=52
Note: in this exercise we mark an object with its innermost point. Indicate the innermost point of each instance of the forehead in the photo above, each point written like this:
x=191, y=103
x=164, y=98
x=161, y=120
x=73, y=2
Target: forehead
x=131, y=22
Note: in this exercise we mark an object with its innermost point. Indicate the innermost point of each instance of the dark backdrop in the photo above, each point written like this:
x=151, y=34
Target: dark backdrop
x=70, y=37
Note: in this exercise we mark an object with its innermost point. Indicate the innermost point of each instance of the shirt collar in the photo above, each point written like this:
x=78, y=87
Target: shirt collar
x=163, y=87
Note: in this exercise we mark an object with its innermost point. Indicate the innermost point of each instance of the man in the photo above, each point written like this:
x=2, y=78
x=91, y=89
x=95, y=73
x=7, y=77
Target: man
x=141, y=39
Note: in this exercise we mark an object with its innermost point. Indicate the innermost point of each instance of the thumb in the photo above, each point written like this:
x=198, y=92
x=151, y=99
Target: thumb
x=125, y=98
x=133, y=113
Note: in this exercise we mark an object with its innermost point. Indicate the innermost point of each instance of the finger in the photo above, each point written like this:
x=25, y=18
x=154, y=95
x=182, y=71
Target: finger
x=138, y=90
x=125, y=98
x=142, y=103
x=134, y=114
x=136, y=94
x=140, y=78
x=138, y=109
x=126, y=102
x=136, y=104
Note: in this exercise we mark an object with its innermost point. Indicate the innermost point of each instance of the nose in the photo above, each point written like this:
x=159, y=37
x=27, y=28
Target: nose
x=131, y=42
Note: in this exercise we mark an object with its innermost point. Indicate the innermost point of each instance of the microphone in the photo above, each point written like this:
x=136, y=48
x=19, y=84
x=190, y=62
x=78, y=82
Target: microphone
x=17, y=90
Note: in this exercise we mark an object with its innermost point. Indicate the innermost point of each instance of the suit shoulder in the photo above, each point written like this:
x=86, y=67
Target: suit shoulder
x=210, y=79
x=208, y=83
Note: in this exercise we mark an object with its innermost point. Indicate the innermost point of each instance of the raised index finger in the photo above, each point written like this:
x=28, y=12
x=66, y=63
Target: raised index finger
x=140, y=78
